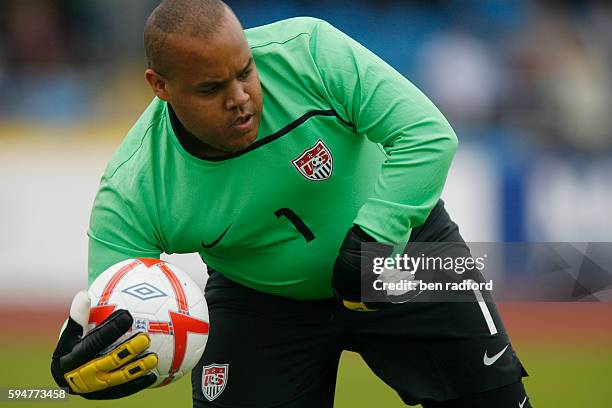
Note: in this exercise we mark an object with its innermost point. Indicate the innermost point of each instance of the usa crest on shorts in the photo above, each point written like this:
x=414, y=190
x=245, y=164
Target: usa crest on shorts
x=316, y=163
x=214, y=380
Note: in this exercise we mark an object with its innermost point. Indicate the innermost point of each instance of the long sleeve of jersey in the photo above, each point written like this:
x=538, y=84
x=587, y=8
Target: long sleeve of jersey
x=115, y=233
x=389, y=110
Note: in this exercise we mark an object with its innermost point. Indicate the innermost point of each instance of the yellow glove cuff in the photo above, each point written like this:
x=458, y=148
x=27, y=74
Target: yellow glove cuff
x=357, y=306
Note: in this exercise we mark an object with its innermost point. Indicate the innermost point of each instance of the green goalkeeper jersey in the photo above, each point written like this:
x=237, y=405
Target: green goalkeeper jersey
x=343, y=139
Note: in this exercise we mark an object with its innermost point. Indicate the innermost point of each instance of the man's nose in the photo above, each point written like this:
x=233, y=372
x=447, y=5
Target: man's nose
x=237, y=95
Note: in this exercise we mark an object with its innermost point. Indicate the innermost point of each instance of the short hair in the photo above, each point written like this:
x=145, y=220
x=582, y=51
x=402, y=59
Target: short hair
x=197, y=18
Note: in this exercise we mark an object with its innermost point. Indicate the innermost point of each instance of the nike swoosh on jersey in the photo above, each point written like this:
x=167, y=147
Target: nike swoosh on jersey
x=216, y=241
x=523, y=403
x=490, y=360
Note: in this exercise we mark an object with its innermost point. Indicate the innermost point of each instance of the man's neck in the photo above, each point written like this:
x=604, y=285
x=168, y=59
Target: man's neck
x=190, y=142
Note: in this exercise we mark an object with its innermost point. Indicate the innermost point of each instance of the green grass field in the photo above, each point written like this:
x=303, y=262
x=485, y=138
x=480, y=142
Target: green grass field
x=567, y=376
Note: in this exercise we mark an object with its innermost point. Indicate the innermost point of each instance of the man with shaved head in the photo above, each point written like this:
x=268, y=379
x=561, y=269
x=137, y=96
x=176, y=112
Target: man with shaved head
x=290, y=158
x=185, y=42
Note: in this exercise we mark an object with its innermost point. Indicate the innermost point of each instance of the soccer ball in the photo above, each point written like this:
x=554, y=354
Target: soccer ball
x=164, y=302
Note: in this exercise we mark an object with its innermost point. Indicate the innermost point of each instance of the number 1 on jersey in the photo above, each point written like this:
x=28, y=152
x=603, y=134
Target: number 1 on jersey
x=297, y=222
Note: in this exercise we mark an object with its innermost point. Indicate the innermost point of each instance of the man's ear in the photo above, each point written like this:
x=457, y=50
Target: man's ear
x=158, y=84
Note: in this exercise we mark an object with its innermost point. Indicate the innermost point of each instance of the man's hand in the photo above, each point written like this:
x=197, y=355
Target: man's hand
x=353, y=269
x=81, y=362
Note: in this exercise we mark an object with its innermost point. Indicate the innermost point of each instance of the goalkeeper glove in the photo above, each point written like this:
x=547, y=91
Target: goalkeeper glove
x=83, y=365
x=353, y=270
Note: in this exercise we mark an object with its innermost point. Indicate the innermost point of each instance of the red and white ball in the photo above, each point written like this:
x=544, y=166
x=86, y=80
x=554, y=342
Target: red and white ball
x=164, y=302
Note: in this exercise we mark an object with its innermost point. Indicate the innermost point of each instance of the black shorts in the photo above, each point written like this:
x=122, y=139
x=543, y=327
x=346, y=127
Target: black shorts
x=271, y=351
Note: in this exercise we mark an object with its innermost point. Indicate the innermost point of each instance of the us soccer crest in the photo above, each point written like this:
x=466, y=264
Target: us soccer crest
x=316, y=163
x=214, y=380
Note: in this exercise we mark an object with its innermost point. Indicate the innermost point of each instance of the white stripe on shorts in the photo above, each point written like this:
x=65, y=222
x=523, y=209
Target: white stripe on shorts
x=485, y=312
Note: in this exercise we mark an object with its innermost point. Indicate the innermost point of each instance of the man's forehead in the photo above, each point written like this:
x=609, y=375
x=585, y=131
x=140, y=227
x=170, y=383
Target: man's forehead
x=210, y=76
x=198, y=60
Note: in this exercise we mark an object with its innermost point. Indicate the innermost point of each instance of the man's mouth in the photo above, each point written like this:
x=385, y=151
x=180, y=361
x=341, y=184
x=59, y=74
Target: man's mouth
x=244, y=122
x=242, y=119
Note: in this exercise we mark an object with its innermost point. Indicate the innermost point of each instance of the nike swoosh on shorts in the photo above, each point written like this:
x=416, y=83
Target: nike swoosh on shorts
x=490, y=360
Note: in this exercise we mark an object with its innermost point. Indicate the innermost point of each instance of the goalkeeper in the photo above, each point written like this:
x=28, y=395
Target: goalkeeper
x=283, y=154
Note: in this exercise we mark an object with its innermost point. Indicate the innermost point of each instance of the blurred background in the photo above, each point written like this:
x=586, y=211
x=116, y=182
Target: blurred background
x=527, y=85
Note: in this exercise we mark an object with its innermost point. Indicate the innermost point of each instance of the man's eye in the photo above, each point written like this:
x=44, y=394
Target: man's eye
x=210, y=89
x=245, y=74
